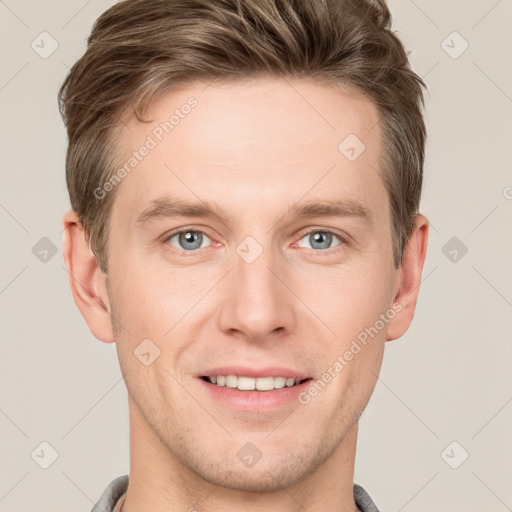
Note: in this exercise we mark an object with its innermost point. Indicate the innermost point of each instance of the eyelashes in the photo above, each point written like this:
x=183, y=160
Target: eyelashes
x=325, y=235
x=184, y=236
x=188, y=240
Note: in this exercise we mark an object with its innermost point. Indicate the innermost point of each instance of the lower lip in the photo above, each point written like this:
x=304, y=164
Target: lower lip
x=258, y=401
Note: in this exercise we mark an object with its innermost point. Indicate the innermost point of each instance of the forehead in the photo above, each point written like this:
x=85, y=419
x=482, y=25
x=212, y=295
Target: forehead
x=242, y=143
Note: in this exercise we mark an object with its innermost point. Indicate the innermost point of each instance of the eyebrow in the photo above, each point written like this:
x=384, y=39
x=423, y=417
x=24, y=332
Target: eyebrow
x=166, y=207
x=331, y=208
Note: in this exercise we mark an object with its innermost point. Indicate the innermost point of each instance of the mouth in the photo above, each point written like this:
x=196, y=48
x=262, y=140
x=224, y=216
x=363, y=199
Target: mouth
x=247, y=383
x=252, y=390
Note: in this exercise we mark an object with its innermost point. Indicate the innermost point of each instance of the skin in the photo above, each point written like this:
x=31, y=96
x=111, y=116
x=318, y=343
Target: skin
x=256, y=148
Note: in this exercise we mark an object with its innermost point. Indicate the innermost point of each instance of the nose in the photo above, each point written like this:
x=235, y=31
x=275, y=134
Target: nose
x=258, y=303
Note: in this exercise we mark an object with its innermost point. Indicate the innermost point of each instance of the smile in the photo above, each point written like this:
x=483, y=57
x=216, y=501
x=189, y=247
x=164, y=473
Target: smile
x=244, y=383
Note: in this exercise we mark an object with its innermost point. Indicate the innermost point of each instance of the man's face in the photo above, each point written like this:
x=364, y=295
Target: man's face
x=258, y=287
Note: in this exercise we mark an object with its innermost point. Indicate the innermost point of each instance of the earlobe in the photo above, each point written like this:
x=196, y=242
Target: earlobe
x=409, y=279
x=86, y=279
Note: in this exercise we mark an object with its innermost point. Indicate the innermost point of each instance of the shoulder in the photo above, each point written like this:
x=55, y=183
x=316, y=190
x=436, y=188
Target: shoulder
x=111, y=494
x=363, y=500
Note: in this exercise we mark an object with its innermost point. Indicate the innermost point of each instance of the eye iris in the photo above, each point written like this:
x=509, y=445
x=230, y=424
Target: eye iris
x=193, y=237
x=323, y=238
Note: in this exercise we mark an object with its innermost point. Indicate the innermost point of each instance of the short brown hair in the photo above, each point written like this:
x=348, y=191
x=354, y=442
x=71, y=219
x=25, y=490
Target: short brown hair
x=141, y=48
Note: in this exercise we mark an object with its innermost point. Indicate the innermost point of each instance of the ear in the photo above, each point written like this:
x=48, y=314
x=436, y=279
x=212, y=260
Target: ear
x=88, y=282
x=408, y=279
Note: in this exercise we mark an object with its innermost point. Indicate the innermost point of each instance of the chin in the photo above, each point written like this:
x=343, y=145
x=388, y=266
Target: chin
x=269, y=477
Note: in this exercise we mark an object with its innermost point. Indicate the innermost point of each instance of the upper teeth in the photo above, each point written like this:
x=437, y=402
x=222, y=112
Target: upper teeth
x=250, y=383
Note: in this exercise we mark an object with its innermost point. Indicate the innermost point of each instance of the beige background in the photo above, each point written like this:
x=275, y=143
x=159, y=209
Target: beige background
x=448, y=379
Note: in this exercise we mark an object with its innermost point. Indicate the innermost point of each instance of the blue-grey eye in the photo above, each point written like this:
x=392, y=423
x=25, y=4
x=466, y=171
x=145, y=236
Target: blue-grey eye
x=189, y=240
x=320, y=239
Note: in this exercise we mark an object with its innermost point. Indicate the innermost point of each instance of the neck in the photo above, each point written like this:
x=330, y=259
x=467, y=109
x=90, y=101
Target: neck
x=160, y=482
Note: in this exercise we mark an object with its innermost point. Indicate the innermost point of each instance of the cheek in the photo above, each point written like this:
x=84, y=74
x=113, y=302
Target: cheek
x=347, y=299
x=162, y=305
x=349, y=302
x=152, y=308
x=153, y=300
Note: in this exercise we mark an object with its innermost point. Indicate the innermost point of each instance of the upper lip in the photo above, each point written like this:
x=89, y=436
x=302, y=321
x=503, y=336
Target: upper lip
x=246, y=371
